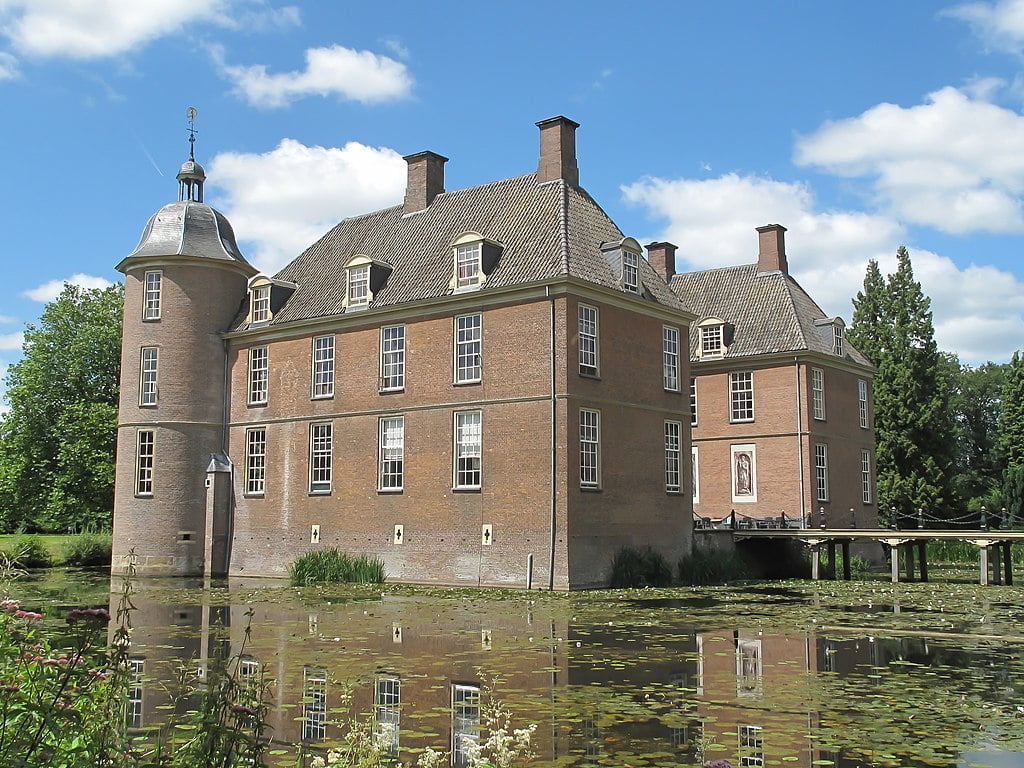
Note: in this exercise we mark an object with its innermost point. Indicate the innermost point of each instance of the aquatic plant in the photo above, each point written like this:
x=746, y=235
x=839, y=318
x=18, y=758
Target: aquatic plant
x=639, y=568
x=89, y=549
x=29, y=552
x=326, y=566
x=707, y=568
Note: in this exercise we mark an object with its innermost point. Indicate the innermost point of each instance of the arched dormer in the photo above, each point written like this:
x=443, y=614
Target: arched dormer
x=364, y=276
x=474, y=258
x=623, y=256
x=266, y=297
x=715, y=337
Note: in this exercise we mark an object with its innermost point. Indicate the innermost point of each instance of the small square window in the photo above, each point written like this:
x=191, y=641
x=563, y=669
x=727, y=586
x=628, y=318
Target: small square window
x=467, y=266
x=712, y=339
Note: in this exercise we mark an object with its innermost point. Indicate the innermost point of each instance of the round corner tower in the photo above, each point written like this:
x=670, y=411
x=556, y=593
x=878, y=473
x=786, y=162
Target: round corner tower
x=184, y=285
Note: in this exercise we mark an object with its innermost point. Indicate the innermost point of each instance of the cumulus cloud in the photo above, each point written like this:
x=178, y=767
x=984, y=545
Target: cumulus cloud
x=281, y=201
x=954, y=163
x=357, y=75
x=979, y=310
x=51, y=290
x=8, y=66
x=1000, y=24
x=9, y=341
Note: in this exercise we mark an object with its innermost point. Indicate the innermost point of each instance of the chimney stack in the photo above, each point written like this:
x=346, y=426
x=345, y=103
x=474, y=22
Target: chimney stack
x=771, y=254
x=662, y=256
x=426, y=180
x=558, y=151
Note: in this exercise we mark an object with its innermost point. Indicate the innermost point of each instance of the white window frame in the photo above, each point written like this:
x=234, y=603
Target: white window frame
x=152, y=294
x=388, y=709
x=465, y=719
x=323, y=367
x=670, y=357
x=468, y=438
x=469, y=333
x=712, y=340
x=818, y=394
x=750, y=740
x=468, y=266
x=821, y=471
x=145, y=454
x=321, y=457
x=392, y=358
x=255, y=461
x=314, y=703
x=695, y=471
x=149, y=361
x=865, y=476
x=589, y=340
x=590, y=448
x=259, y=374
x=673, y=456
x=741, y=396
x=738, y=467
x=391, y=454
x=260, y=303
x=693, y=401
x=357, y=289
x=837, y=339
x=862, y=403
x=631, y=271
x=135, y=699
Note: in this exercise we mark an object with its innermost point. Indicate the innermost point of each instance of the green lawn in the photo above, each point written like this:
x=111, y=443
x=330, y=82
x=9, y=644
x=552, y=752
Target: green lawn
x=55, y=543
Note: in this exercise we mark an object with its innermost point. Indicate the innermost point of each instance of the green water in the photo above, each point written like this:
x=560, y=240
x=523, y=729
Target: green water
x=786, y=674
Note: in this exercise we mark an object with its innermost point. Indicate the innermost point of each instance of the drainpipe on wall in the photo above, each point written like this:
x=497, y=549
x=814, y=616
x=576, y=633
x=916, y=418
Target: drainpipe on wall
x=554, y=450
x=800, y=440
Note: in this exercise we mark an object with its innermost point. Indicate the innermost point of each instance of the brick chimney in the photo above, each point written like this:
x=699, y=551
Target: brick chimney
x=771, y=252
x=662, y=256
x=558, y=151
x=426, y=180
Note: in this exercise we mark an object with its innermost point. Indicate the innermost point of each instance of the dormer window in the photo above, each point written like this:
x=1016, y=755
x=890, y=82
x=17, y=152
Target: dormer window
x=467, y=266
x=631, y=271
x=712, y=340
x=475, y=258
x=359, y=285
x=261, y=304
x=837, y=339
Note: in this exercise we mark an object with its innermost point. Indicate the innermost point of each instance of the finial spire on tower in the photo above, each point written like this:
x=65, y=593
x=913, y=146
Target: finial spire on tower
x=190, y=113
x=191, y=176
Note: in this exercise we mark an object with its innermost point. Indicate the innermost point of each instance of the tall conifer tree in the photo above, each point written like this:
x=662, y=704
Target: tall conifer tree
x=1011, y=438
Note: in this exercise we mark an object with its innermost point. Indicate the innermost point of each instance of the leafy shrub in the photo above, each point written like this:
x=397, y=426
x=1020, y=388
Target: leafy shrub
x=704, y=568
x=89, y=549
x=639, y=568
x=29, y=552
x=324, y=566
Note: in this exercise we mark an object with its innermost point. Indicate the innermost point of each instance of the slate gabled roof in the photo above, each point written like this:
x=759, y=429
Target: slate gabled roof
x=547, y=231
x=769, y=311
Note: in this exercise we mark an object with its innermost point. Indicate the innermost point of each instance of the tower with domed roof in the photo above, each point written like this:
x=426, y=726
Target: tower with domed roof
x=184, y=284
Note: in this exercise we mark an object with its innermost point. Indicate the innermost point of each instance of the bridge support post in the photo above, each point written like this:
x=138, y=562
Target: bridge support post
x=894, y=556
x=922, y=556
x=832, y=560
x=815, y=562
x=846, y=560
x=997, y=564
x=908, y=559
x=1008, y=563
x=983, y=564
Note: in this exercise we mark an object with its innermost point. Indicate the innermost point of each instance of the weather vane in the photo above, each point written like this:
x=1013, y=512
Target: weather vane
x=190, y=113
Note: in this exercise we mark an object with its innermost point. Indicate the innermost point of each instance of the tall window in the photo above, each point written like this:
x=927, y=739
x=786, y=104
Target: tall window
x=255, y=460
x=320, y=457
x=259, y=370
x=673, y=448
x=865, y=476
x=711, y=340
x=133, y=710
x=631, y=271
x=388, y=702
x=670, y=356
x=590, y=448
x=751, y=744
x=467, y=265
x=695, y=473
x=323, y=366
x=862, y=402
x=468, y=449
x=588, y=340
x=359, y=285
x=261, y=304
x=465, y=720
x=392, y=453
x=392, y=357
x=693, y=402
x=818, y=393
x=837, y=339
x=151, y=295
x=147, y=376
x=314, y=703
x=144, y=463
x=741, y=396
x=468, y=364
x=821, y=471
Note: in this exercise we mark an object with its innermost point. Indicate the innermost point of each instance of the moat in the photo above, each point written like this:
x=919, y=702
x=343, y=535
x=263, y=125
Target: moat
x=790, y=674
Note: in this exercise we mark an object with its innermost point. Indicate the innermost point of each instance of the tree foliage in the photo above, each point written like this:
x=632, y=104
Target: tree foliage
x=57, y=441
x=914, y=425
x=976, y=404
x=1011, y=437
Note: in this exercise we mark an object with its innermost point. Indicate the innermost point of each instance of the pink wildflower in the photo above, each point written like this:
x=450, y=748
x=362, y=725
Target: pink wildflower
x=10, y=605
x=27, y=615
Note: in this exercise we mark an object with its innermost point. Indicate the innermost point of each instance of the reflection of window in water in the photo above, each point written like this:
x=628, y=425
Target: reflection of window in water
x=593, y=746
x=700, y=665
x=314, y=703
x=831, y=652
x=388, y=699
x=248, y=671
x=133, y=707
x=465, y=719
x=751, y=745
x=749, y=669
x=314, y=623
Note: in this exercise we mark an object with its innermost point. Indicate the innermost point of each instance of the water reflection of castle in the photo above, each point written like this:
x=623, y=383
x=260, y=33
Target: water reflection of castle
x=417, y=667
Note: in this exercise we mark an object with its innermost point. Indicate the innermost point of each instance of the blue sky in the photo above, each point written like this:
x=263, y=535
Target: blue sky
x=859, y=126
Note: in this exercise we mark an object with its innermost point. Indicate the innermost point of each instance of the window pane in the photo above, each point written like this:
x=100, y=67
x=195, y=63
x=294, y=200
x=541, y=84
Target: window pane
x=468, y=366
x=255, y=460
x=865, y=476
x=359, y=284
x=314, y=704
x=673, y=447
x=467, y=265
x=320, y=457
x=630, y=271
x=258, y=375
x=818, y=392
x=147, y=376
x=693, y=402
x=151, y=298
x=741, y=388
x=590, y=448
x=144, y=463
x=670, y=353
x=821, y=471
x=323, y=366
x=588, y=340
x=261, y=304
x=862, y=402
x=392, y=453
x=468, y=449
x=392, y=357
x=711, y=340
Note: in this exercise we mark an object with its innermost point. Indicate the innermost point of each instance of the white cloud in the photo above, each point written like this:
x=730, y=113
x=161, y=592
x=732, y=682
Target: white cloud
x=8, y=66
x=978, y=310
x=999, y=24
x=953, y=163
x=51, y=290
x=6, y=320
x=357, y=75
x=9, y=341
x=283, y=200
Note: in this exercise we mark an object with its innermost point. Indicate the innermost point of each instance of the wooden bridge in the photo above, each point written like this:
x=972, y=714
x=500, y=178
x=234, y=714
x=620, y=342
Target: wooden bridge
x=994, y=562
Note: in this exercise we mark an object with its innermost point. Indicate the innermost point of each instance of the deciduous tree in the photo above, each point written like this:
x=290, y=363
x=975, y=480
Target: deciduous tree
x=1011, y=437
